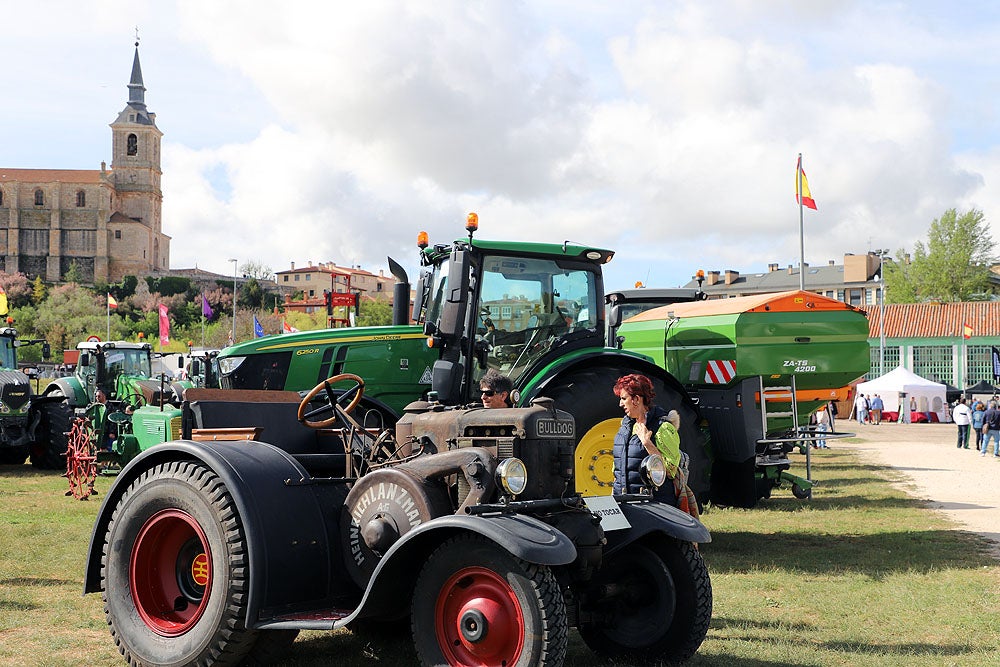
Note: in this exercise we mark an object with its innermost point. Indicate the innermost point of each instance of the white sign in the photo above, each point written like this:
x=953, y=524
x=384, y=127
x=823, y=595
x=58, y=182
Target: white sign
x=611, y=514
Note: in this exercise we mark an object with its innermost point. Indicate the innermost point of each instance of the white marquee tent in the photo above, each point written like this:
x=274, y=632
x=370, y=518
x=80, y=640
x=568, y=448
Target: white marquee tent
x=930, y=395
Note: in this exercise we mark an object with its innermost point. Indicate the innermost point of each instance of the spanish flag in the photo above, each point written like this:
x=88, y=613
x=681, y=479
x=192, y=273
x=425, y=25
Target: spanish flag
x=806, y=198
x=112, y=303
x=966, y=331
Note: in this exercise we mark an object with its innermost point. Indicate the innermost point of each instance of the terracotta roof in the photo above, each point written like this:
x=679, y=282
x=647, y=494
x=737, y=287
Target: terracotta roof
x=934, y=320
x=51, y=175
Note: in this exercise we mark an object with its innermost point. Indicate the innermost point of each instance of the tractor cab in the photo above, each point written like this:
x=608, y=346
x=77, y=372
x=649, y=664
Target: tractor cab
x=523, y=301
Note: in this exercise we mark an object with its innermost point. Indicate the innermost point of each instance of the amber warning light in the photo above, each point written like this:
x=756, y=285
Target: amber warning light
x=472, y=223
x=422, y=240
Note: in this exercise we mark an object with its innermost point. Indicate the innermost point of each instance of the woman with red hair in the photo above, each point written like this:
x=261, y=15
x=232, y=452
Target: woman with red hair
x=649, y=429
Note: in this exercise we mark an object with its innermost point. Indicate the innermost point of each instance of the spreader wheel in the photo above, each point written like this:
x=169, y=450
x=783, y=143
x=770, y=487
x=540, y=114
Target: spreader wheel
x=81, y=459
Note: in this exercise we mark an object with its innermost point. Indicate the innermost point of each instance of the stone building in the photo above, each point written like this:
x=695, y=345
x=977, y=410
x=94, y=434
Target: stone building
x=105, y=221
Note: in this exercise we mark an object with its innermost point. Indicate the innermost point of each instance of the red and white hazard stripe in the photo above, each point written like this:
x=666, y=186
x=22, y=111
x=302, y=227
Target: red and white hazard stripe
x=720, y=371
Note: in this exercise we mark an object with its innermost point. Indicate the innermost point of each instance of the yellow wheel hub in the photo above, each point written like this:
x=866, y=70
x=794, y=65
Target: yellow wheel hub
x=595, y=462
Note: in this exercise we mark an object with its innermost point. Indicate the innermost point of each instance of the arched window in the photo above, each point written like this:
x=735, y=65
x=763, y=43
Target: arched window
x=81, y=199
x=39, y=197
x=133, y=145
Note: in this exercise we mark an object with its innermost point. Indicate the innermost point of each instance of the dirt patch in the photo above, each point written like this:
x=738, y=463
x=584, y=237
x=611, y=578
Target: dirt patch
x=958, y=482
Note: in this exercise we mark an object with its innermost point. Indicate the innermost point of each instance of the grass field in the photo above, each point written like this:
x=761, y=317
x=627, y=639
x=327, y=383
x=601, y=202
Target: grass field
x=859, y=575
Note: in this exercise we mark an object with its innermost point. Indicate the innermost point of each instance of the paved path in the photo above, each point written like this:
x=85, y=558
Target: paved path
x=959, y=482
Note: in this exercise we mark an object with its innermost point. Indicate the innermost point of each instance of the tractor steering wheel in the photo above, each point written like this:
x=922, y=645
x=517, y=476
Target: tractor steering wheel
x=332, y=403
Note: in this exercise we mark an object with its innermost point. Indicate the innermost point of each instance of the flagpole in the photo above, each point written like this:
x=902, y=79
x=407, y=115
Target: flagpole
x=802, y=243
x=107, y=306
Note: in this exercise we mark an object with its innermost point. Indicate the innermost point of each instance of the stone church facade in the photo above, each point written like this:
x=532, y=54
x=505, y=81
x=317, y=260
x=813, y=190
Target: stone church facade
x=105, y=221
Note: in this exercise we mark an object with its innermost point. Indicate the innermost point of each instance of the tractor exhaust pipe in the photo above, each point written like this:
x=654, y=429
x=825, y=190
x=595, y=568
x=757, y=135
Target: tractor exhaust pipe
x=400, y=294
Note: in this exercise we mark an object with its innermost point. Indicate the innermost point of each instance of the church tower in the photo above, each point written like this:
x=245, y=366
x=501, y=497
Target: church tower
x=135, y=173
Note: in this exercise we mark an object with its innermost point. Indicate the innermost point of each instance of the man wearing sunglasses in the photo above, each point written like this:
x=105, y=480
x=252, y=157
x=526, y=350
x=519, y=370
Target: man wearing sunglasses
x=495, y=388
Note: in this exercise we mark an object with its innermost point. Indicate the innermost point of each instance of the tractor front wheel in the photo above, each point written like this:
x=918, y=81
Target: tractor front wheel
x=174, y=570
x=49, y=451
x=476, y=604
x=650, y=603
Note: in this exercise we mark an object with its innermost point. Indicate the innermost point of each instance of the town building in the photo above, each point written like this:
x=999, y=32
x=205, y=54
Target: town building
x=107, y=222
x=856, y=281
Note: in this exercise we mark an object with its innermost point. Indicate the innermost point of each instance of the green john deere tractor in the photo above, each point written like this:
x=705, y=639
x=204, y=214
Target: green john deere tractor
x=107, y=412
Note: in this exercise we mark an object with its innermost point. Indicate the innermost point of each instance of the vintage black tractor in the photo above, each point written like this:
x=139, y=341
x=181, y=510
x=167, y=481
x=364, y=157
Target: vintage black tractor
x=217, y=549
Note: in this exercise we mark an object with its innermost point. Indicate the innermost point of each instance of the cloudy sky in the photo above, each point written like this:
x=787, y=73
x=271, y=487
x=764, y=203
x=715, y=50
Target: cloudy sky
x=667, y=131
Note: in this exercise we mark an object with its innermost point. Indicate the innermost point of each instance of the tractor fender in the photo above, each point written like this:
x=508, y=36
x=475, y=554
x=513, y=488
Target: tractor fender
x=655, y=517
x=69, y=388
x=290, y=524
x=523, y=536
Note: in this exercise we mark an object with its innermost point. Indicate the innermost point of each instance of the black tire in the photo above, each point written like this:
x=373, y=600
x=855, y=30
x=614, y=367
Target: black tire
x=171, y=519
x=662, y=606
x=13, y=455
x=588, y=396
x=800, y=493
x=524, y=624
x=49, y=450
x=270, y=647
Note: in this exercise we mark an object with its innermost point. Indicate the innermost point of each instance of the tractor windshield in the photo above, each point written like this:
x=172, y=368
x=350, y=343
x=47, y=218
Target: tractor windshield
x=527, y=305
x=127, y=362
x=8, y=358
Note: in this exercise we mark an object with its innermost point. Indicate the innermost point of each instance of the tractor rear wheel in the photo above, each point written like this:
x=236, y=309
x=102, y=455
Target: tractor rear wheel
x=477, y=604
x=588, y=396
x=659, y=605
x=174, y=570
x=49, y=451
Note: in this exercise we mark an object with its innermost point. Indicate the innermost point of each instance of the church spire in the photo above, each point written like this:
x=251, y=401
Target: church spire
x=136, y=90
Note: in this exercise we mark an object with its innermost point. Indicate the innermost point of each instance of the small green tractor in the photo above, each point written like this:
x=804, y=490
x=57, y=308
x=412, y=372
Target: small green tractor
x=107, y=412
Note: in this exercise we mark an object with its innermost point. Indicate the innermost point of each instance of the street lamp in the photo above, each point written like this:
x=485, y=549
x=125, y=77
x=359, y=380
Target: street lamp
x=234, y=299
x=883, y=254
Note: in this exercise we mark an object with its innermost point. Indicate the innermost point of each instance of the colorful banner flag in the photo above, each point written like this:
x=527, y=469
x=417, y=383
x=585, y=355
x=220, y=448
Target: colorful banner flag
x=803, y=195
x=112, y=302
x=206, y=309
x=164, y=326
x=258, y=330
x=996, y=363
x=4, y=306
x=966, y=331
x=287, y=328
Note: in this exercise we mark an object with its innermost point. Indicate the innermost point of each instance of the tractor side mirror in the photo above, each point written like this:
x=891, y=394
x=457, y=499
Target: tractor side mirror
x=84, y=359
x=46, y=351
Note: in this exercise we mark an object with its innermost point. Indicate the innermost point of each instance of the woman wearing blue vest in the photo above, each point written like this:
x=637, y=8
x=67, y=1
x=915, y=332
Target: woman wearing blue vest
x=646, y=429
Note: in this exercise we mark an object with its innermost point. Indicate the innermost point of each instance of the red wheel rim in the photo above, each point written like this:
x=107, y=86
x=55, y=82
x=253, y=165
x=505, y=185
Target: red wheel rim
x=81, y=460
x=478, y=620
x=170, y=572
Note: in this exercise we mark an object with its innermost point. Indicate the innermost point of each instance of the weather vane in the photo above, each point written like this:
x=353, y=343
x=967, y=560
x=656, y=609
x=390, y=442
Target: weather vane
x=137, y=35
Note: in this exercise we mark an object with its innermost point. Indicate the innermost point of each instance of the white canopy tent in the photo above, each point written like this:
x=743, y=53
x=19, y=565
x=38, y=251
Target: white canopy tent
x=930, y=395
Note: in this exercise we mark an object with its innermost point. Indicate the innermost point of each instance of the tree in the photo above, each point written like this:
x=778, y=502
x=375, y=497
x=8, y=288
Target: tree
x=38, y=290
x=73, y=274
x=953, y=266
x=374, y=312
x=258, y=270
x=17, y=288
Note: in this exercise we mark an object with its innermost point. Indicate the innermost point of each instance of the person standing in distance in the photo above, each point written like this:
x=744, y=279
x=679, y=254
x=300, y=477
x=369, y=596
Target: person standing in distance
x=963, y=418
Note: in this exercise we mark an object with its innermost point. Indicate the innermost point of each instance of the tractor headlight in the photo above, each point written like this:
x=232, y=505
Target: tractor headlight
x=512, y=475
x=229, y=364
x=654, y=470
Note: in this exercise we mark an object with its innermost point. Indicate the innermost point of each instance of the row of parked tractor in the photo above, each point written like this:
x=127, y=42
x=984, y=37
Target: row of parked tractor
x=351, y=477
